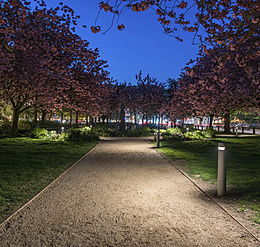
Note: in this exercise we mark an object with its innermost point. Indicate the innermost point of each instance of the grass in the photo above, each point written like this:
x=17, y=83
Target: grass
x=29, y=165
x=243, y=164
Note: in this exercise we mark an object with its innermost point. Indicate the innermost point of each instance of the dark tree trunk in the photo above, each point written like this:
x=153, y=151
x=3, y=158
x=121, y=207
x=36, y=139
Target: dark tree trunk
x=227, y=123
x=44, y=113
x=211, y=116
x=16, y=114
x=77, y=119
x=91, y=120
x=61, y=118
x=103, y=118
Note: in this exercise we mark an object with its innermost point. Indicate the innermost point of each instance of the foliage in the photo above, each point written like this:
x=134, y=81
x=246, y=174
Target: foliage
x=24, y=125
x=214, y=86
x=223, y=21
x=249, y=117
x=199, y=135
x=39, y=47
x=51, y=135
x=29, y=165
x=81, y=135
x=38, y=133
x=225, y=77
x=102, y=130
x=5, y=112
x=178, y=134
x=175, y=130
x=54, y=136
x=5, y=128
x=138, y=132
x=173, y=134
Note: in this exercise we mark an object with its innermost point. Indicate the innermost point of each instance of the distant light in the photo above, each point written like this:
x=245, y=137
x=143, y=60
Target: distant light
x=221, y=148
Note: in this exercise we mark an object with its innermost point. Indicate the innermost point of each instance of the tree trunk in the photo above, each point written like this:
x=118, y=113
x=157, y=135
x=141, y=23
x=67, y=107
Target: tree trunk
x=211, y=116
x=77, y=119
x=103, y=119
x=35, y=114
x=227, y=123
x=16, y=114
x=61, y=118
x=91, y=120
x=44, y=113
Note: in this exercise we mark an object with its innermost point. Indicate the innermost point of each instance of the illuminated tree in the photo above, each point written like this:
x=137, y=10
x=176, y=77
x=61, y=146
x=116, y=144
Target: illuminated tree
x=212, y=87
x=150, y=95
x=39, y=53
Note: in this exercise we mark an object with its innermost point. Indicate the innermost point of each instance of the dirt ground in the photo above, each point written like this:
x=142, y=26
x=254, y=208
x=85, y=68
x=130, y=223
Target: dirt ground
x=123, y=193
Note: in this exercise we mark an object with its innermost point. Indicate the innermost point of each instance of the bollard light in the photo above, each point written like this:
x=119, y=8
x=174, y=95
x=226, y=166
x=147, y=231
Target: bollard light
x=221, y=187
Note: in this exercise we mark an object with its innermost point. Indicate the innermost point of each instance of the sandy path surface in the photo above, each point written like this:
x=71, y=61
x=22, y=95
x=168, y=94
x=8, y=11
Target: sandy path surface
x=123, y=193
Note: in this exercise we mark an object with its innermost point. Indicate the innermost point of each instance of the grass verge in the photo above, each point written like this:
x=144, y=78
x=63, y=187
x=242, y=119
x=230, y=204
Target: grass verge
x=243, y=164
x=29, y=165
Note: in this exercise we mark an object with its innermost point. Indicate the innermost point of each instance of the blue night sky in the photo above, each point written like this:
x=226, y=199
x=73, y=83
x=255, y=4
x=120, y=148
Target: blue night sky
x=142, y=45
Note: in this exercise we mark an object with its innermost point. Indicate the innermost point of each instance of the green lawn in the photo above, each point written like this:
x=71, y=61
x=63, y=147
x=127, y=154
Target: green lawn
x=243, y=164
x=29, y=165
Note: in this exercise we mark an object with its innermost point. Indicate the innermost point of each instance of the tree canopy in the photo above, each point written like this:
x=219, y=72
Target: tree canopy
x=44, y=63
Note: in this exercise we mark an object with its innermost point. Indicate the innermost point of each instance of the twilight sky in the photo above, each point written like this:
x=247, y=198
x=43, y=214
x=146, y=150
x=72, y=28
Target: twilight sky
x=142, y=45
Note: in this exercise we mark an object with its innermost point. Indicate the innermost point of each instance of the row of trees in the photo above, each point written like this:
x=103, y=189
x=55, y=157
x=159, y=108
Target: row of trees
x=44, y=64
x=225, y=76
x=213, y=87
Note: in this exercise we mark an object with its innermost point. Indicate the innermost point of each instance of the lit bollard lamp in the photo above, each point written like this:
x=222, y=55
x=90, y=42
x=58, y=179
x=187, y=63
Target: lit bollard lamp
x=222, y=159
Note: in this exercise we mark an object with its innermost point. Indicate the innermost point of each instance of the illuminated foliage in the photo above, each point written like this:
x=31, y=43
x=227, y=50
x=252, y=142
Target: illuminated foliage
x=44, y=63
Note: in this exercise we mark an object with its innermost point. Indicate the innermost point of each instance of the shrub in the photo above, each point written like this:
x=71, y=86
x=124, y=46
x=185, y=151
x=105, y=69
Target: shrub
x=168, y=136
x=177, y=134
x=24, y=125
x=38, y=133
x=200, y=135
x=195, y=135
x=102, y=130
x=209, y=133
x=54, y=136
x=176, y=130
x=5, y=128
x=81, y=135
x=139, y=132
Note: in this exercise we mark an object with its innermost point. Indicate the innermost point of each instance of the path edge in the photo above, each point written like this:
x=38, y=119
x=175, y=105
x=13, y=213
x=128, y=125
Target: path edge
x=47, y=187
x=204, y=192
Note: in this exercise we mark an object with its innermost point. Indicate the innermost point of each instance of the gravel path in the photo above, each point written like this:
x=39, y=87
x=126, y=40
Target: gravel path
x=123, y=193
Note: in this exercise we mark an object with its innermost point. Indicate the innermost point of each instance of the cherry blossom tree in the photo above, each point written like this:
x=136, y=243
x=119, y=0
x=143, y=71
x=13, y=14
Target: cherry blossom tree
x=151, y=95
x=38, y=53
x=212, y=87
x=232, y=24
x=167, y=12
x=220, y=19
